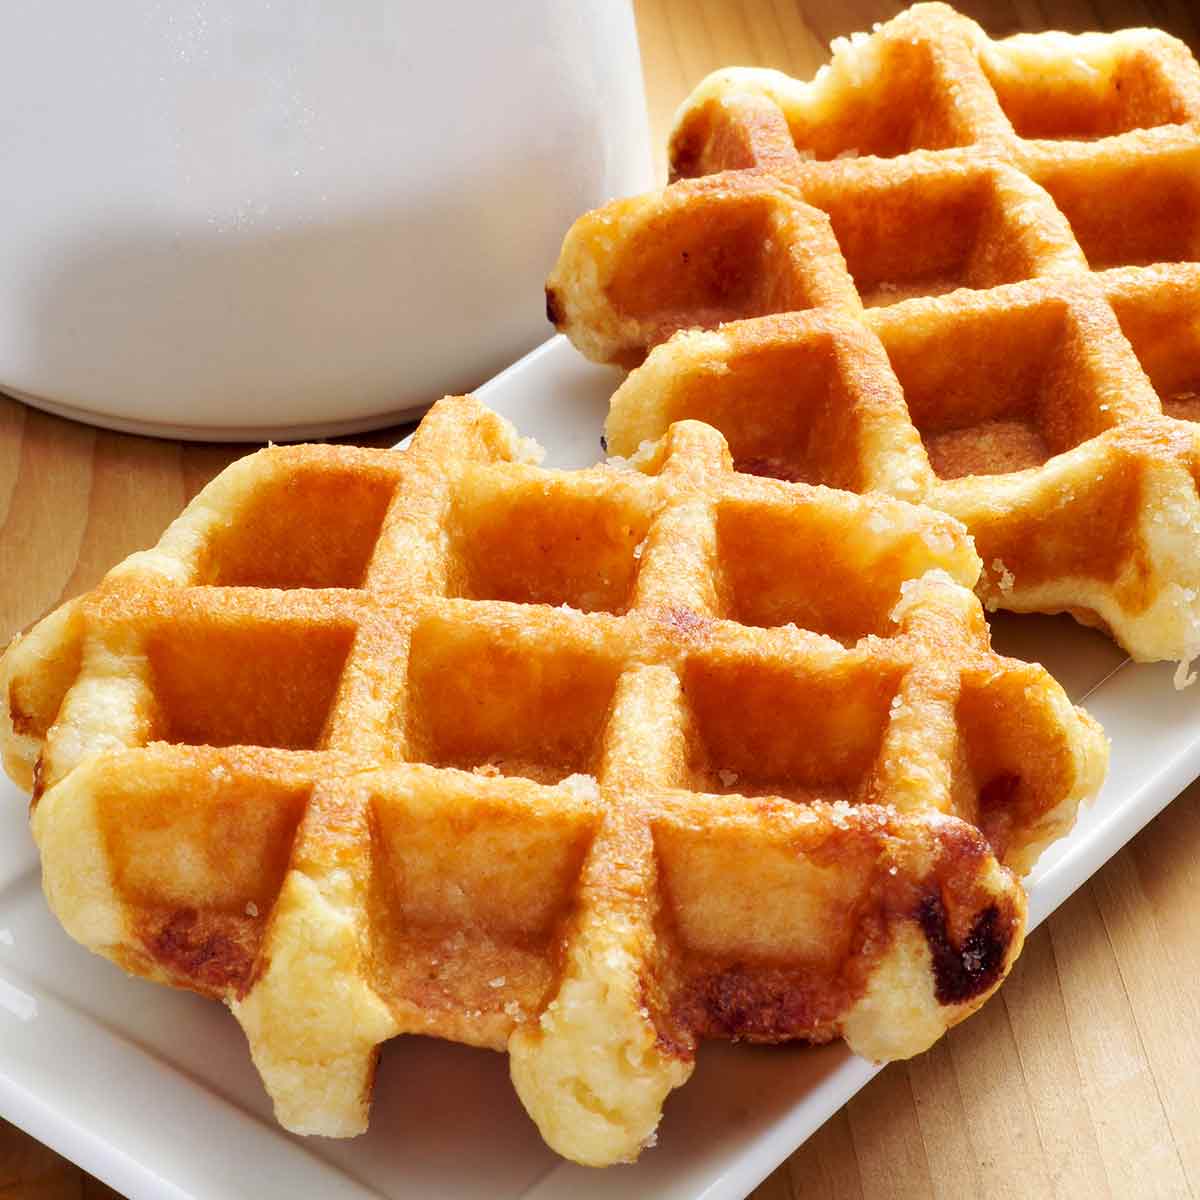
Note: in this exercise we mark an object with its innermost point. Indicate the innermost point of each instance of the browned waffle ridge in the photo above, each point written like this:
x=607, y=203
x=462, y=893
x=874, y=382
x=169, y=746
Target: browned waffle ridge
x=586, y=765
x=953, y=269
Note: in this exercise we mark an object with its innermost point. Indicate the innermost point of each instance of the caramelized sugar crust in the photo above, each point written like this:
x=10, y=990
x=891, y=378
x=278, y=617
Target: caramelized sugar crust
x=586, y=765
x=976, y=290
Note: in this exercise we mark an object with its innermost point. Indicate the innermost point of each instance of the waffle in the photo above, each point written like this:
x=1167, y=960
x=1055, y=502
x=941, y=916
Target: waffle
x=989, y=244
x=583, y=765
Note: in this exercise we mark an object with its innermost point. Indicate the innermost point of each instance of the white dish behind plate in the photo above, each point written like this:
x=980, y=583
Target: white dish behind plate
x=153, y=1090
x=247, y=218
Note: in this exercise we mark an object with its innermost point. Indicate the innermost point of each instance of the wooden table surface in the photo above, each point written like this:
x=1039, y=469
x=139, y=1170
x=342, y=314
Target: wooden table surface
x=1081, y=1078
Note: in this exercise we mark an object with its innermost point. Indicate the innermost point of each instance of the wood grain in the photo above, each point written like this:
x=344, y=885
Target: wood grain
x=1082, y=1078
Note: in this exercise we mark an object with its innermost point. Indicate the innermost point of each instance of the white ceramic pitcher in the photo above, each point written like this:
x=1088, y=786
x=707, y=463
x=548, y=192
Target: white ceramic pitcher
x=242, y=218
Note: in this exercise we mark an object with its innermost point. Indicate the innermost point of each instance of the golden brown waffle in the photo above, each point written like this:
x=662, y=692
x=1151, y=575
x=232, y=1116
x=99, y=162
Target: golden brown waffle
x=995, y=240
x=586, y=765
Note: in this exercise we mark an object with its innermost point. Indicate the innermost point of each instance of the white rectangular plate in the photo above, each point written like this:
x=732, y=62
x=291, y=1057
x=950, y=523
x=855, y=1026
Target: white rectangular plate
x=153, y=1091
